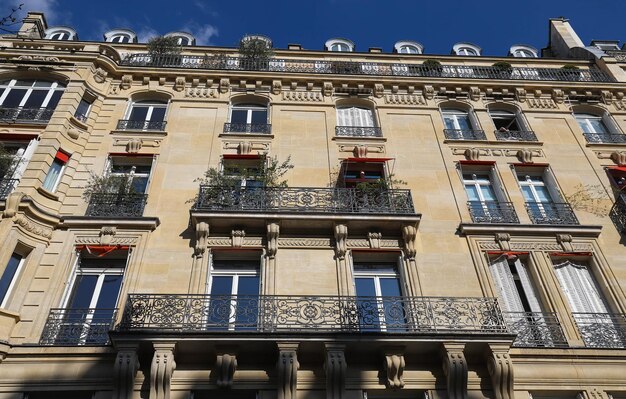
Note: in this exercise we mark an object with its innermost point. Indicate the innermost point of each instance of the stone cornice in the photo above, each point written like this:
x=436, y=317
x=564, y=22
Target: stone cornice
x=86, y=222
x=469, y=229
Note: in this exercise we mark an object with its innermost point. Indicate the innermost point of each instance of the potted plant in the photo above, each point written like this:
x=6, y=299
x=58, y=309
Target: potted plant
x=164, y=51
x=8, y=165
x=111, y=195
x=432, y=68
x=255, y=52
x=376, y=195
x=503, y=69
x=571, y=72
x=214, y=61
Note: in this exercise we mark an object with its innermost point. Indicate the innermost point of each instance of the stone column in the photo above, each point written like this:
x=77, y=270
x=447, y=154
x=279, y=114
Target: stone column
x=287, y=370
x=335, y=371
x=455, y=369
x=124, y=371
x=161, y=370
x=340, y=232
x=500, y=369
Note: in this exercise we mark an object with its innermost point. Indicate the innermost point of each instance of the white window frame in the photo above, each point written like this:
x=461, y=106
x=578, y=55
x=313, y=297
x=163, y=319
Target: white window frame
x=59, y=35
x=56, y=183
x=478, y=183
x=584, y=119
x=377, y=274
x=529, y=182
x=14, y=279
x=455, y=114
x=151, y=105
x=54, y=86
x=133, y=161
x=356, y=114
x=249, y=108
x=120, y=38
x=339, y=45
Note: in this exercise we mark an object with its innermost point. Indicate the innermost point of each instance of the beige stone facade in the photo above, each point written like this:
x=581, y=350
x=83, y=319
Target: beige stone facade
x=545, y=204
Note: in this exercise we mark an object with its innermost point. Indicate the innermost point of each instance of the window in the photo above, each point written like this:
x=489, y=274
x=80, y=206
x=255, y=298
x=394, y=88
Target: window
x=15, y=156
x=466, y=49
x=510, y=125
x=355, y=172
x=516, y=291
x=504, y=120
x=408, y=47
x=145, y=115
x=461, y=125
x=379, y=297
x=82, y=111
x=32, y=100
x=120, y=36
x=9, y=277
x=183, y=41
x=355, y=117
x=340, y=45
x=56, y=171
x=136, y=169
x=234, y=292
x=617, y=177
x=591, y=124
x=599, y=127
x=249, y=118
x=59, y=35
x=543, y=200
x=522, y=51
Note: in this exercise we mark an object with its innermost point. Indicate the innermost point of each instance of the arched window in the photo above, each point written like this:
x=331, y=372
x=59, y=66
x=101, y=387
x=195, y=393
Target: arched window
x=466, y=49
x=356, y=121
x=461, y=124
x=61, y=33
x=510, y=125
x=591, y=123
x=248, y=118
x=407, y=47
x=339, y=45
x=29, y=100
x=182, y=38
x=598, y=125
x=120, y=36
x=523, y=51
x=145, y=115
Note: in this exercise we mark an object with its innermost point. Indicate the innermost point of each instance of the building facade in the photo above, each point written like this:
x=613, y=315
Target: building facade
x=451, y=226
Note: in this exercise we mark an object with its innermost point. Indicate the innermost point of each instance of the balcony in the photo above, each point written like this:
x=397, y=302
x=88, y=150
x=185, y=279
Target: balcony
x=358, y=131
x=26, y=115
x=602, y=330
x=7, y=186
x=321, y=66
x=256, y=128
x=73, y=327
x=605, y=138
x=464, y=134
x=311, y=314
x=515, y=135
x=551, y=213
x=116, y=205
x=535, y=329
x=126, y=124
x=618, y=213
x=492, y=212
x=304, y=200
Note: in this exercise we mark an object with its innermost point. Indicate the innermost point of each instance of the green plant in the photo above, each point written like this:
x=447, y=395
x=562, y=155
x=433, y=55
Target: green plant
x=108, y=184
x=255, y=48
x=269, y=175
x=8, y=163
x=570, y=67
x=432, y=64
x=214, y=61
x=163, y=45
x=503, y=65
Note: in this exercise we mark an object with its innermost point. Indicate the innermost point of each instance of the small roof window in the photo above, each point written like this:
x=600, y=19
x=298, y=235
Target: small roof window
x=605, y=45
x=183, y=38
x=120, y=36
x=339, y=45
x=61, y=33
x=466, y=49
x=523, y=51
x=408, y=47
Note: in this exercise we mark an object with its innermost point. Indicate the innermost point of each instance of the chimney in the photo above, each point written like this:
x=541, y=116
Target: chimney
x=562, y=38
x=33, y=26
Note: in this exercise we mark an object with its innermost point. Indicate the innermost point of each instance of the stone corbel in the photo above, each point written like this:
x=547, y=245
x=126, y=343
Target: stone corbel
x=520, y=94
x=472, y=154
x=394, y=368
x=327, y=88
x=107, y=233
x=225, y=367
x=335, y=368
x=100, y=75
x=124, y=371
x=607, y=97
x=474, y=93
x=202, y=235
x=127, y=81
x=360, y=151
x=429, y=92
x=236, y=237
x=277, y=86
x=341, y=235
x=379, y=90
x=455, y=370
x=374, y=239
x=179, y=83
x=134, y=145
x=504, y=241
x=161, y=370
x=619, y=157
x=244, y=147
x=224, y=85
x=525, y=156
x=558, y=96
x=273, y=231
x=565, y=240
x=500, y=369
x=409, y=233
x=12, y=204
x=287, y=370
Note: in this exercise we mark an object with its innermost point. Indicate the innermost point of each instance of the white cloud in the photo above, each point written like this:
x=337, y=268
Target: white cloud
x=146, y=33
x=202, y=33
x=48, y=7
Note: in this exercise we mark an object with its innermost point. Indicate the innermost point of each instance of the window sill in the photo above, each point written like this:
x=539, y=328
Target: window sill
x=47, y=194
x=79, y=124
x=495, y=142
x=246, y=135
x=137, y=132
x=605, y=145
x=528, y=229
x=359, y=138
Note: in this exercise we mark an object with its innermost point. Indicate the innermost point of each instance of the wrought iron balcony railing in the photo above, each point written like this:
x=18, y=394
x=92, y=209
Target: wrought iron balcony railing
x=619, y=55
x=71, y=327
x=126, y=124
x=464, y=134
x=260, y=128
x=321, y=66
x=602, y=330
x=26, y=115
x=515, y=135
x=492, y=212
x=536, y=329
x=551, y=213
x=7, y=186
x=304, y=199
x=358, y=131
x=311, y=314
x=608, y=138
x=116, y=205
x=618, y=213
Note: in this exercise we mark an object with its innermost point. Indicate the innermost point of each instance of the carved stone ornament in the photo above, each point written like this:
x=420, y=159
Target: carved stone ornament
x=474, y=93
x=73, y=133
x=273, y=230
x=335, y=368
x=224, y=85
x=179, y=83
x=244, y=147
x=525, y=156
x=133, y=146
x=500, y=369
x=504, y=241
x=341, y=234
x=409, y=233
x=455, y=370
x=565, y=240
x=287, y=370
x=520, y=94
x=607, y=97
x=225, y=367
x=237, y=237
x=106, y=234
x=127, y=81
x=360, y=151
x=100, y=75
x=429, y=92
x=327, y=88
x=374, y=239
x=277, y=86
x=472, y=154
x=124, y=371
x=202, y=234
x=619, y=157
x=12, y=204
x=379, y=90
x=161, y=370
x=394, y=368
x=558, y=96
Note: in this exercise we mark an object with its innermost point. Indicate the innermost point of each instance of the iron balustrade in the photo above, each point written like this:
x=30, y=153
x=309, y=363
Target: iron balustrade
x=618, y=213
x=492, y=212
x=364, y=68
x=7, y=186
x=26, y=115
x=71, y=327
x=464, y=134
x=598, y=138
x=358, y=131
x=535, y=329
x=619, y=55
x=81, y=117
x=311, y=314
x=116, y=205
x=602, y=330
x=261, y=128
x=551, y=213
x=126, y=124
x=515, y=135
x=304, y=199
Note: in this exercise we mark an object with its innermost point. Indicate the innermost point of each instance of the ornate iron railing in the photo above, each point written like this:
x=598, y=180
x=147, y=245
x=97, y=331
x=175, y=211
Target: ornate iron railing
x=261, y=128
x=492, y=212
x=535, y=329
x=116, y=205
x=363, y=68
x=81, y=117
x=126, y=124
x=70, y=327
x=619, y=55
x=551, y=213
x=311, y=314
x=618, y=213
x=515, y=135
x=358, y=131
x=598, y=138
x=26, y=115
x=464, y=134
x=602, y=330
x=304, y=199
x=7, y=186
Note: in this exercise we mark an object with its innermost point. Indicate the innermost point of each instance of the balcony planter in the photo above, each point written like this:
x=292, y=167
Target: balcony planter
x=432, y=68
x=571, y=72
x=345, y=68
x=503, y=69
x=255, y=53
x=164, y=52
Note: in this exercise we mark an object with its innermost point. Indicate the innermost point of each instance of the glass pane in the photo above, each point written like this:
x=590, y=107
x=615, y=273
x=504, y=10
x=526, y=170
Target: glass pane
x=239, y=116
x=367, y=304
x=472, y=192
x=259, y=116
x=390, y=286
x=221, y=285
x=54, y=99
x=543, y=195
x=463, y=122
x=14, y=98
x=35, y=100
x=488, y=193
x=393, y=306
x=158, y=114
x=528, y=194
x=82, y=294
x=138, y=113
x=8, y=275
x=449, y=122
x=53, y=175
x=598, y=126
x=247, y=303
x=365, y=286
x=110, y=291
x=140, y=184
x=248, y=285
x=82, y=108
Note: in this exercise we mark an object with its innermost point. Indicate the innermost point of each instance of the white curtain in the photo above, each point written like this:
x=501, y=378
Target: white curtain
x=355, y=116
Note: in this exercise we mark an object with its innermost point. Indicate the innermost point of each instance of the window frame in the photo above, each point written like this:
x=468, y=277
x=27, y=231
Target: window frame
x=14, y=279
x=249, y=108
x=134, y=161
x=12, y=85
x=61, y=158
x=349, y=110
x=331, y=43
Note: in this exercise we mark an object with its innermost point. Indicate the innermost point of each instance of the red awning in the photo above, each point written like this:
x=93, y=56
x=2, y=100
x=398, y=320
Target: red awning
x=531, y=165
x=241, y=156
x=367, y=160
x=507, y=253
x=62, y=156
x=620, y=168
x=17, y=136
x=570, y=253
x=101, y=250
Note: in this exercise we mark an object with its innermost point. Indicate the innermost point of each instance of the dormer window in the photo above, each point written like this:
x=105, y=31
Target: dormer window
x=339, y=45
x=520, y=51
x=182, y=38
x=466, y=49
x=406, y=47
x=606, y=45
x=120, y=36
x=61, y=34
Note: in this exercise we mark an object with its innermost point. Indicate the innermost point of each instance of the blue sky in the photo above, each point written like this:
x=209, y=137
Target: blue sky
x=492, y=24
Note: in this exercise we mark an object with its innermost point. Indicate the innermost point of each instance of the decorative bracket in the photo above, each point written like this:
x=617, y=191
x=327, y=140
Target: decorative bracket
x=125, y=370
x=161, y=370
x=504, y=241
x=565, y=240
x=273, y=230
x=225, y=366
x=287, y=369
x=394, y=368
x=500, y=369
x=341, y=235
x=409, y=233
x=455, y=370
x=335, y=371
x=202, y=235
x=236, y=237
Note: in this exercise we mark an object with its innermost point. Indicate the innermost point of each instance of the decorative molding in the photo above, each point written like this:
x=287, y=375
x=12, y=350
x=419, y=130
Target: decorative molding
x=379, y=149
x=38, y=58
x=161, y=370
x=127, y=81
x=525, y=155
x=124, y=371
x=409, y=233
x=565, y=240
x=405, y=99
x=541, y=103
x=558, y=96
x=393, y=368
x=179, y=83
x=455, y=370
x=531, y=246
x=225, y=367
x=202, y=234
x=327, y=89
x=12, y=204
x=107, y=233
x=335, y=368
x=618, y=157
x=273, y=230
x=472, y=154
x=197, y=92
x=277, y=87
x=100, y=75
x=32, y=227
x=258, y=146
x=134, y=145
x=224, y=85
x=504, y=241
x=304, y=242
x=341, y=234
x=303, y=96
x=429, y=92
x=474, y=93
x=497, y=152
x=126, y=142
x=374, y=239
x=360, y=151
x=500, y=369
x=287, y=370
x=237, y=237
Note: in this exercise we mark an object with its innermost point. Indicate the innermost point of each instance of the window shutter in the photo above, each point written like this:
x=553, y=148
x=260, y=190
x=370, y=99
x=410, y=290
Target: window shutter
x=579, y=288
x=341, y=116
x=509, y=298
x=473, y=120
x=208, y=274
x=23, y=162
x=368, y=117
x=610, y=124
x=529, y=288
